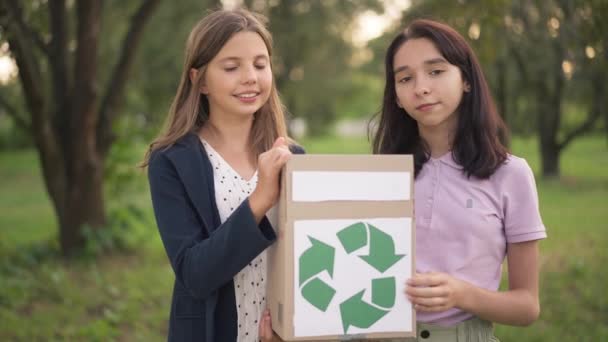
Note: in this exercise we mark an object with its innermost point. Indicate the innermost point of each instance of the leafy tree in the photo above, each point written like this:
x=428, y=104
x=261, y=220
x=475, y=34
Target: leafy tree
x=548, y=43
x=56, y=45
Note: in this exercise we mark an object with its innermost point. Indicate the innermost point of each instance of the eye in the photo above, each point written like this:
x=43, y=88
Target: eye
x=405, y=79
x=229, y=69
x=436, y=72
x=260, y=66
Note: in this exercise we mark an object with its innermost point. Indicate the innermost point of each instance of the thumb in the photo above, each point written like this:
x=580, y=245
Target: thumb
x=279, y=142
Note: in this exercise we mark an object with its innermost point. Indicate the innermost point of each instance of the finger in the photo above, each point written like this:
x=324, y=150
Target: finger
x=262, y=327
x=279, y=142
x=279, y=157
x=430, y=302
x=433, y=291
x=268, y=328
x=425, y=279
x=424, y=308
x=284, y=157
x=282, y=149
x=269, y=325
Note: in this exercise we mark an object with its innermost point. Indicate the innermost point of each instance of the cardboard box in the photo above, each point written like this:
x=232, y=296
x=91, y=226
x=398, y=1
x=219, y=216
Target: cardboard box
x=345, y=248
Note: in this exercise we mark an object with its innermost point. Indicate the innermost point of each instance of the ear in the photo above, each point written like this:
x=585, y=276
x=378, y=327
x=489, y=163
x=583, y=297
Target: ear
x=193, y=76
x=466, y=87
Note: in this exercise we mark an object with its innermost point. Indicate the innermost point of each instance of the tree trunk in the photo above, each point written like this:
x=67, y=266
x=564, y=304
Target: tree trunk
x=549, y=117
x=84, y=208
x=550, y=154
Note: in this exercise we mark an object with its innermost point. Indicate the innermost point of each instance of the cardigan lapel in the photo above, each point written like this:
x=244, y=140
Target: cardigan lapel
x=194, y=169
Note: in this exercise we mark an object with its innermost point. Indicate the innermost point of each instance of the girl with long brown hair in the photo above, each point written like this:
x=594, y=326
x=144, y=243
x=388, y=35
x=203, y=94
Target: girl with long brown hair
x=214, y=176
x=475, y=203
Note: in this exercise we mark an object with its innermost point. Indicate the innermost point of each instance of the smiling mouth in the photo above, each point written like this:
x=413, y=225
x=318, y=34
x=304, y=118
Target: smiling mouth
x=247, y=95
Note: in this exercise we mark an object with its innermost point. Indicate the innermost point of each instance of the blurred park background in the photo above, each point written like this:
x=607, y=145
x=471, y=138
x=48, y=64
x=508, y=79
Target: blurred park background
x=85, y=86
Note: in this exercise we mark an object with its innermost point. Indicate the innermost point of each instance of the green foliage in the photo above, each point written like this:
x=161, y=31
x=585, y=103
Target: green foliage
x=316, y=78
x=125, y=232
x=11, y=136
x=159, y=63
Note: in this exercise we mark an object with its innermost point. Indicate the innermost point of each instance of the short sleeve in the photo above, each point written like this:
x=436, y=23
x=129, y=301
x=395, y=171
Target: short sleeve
x=522, y=220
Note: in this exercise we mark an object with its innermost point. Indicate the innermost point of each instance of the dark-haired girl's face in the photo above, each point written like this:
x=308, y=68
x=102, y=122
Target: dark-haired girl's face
x=427, y=86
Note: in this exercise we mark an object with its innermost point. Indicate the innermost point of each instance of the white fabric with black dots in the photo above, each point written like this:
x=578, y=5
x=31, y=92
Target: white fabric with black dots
x=250, y=283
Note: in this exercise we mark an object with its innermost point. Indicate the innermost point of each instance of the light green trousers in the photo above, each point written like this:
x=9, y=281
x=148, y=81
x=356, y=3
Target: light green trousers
x=473, y=330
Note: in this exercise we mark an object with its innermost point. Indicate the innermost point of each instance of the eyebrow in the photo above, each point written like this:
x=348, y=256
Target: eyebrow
x=226, y=59
x=431, y=61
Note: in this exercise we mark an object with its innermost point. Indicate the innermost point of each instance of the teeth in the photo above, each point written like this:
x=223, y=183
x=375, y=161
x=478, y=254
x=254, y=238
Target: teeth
x=248, y=95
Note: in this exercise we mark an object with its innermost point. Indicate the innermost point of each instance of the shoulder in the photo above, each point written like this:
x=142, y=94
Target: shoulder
x=187, y=144
x=184, y=151
x=514, y=166
x=514, y=172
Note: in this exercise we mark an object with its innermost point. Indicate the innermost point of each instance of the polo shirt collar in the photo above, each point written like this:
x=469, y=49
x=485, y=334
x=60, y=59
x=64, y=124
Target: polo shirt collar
x=448, y=159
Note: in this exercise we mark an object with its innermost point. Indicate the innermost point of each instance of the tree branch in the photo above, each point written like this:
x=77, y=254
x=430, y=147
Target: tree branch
x=83, y=116
x=32, y=83
x=58, y=61
x=58, y=45
x=16, y=12
x=580, y=130
x=11, y=111
x=29, y=69
x=114, y=91
x=597, y=109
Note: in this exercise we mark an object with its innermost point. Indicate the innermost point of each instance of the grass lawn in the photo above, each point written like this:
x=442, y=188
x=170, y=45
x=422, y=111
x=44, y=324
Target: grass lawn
x=126, y=296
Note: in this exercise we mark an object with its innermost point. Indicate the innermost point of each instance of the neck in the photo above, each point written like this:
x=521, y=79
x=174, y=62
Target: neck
x=228, y=132
x=438, y=139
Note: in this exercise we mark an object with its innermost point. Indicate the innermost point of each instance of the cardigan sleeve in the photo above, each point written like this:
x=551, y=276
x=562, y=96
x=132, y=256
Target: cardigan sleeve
x=202, y=262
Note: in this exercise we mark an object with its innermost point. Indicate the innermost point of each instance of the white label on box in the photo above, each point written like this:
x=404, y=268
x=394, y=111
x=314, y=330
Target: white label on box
x=349, y=276
x=315, y=186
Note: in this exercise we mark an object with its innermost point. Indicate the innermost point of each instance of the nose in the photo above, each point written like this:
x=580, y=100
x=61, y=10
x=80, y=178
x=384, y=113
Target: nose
x=249, y=75
x=422, y=86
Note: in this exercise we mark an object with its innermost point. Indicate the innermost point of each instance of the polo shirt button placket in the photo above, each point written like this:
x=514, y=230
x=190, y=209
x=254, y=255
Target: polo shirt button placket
x=430, y=199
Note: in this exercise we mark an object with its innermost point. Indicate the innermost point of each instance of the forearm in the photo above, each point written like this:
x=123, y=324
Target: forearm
x=512, y=307
x=258, y=206
x=205, y=263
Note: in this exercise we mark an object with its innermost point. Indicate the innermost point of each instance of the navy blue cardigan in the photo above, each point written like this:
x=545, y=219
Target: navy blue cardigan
x=205, y=254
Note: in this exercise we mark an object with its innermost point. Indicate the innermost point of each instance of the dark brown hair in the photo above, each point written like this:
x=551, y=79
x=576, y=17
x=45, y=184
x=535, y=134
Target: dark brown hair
x=480, y=135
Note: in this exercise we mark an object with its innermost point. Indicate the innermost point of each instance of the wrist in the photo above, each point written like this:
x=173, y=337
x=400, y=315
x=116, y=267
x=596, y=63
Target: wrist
x=258, y=205
x=465, y=298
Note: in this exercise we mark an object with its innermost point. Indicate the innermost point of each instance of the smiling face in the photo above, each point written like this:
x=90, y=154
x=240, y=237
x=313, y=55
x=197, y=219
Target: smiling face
x=238, y=79
x=427, y=86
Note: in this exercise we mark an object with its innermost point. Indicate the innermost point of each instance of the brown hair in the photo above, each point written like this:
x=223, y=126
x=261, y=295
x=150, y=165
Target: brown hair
x=480, y=134
x=190, y=109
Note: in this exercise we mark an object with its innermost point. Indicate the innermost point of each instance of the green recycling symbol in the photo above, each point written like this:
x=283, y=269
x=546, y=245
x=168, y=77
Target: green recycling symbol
x=320, y=257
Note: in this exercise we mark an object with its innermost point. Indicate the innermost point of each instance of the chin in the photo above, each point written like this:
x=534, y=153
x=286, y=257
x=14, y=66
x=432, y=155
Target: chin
x=248, y=111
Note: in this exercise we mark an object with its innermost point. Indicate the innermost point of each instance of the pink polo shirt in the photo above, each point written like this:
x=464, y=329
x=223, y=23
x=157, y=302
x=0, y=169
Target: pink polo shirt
x=463, y=225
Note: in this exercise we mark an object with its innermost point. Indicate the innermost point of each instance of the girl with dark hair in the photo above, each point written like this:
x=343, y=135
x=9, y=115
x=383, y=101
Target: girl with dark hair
x=214, y=176
x=475, y=203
